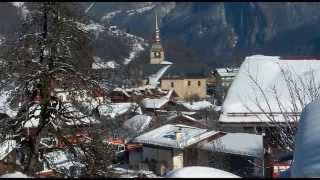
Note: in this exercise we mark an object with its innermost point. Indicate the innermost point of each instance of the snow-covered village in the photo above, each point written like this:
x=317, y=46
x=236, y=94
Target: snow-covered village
x=159, y=90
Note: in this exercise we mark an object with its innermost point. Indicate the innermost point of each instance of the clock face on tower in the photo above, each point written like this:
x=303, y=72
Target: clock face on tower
x=157, y=54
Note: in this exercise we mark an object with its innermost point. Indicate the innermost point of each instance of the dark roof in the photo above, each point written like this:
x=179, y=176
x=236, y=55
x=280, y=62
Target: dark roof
x=184, y=70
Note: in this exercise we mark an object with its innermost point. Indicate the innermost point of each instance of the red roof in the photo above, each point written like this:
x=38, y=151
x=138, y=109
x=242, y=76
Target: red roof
x=132, y=147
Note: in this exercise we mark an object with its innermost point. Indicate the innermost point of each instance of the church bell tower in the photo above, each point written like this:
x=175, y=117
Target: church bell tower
x=156, y=53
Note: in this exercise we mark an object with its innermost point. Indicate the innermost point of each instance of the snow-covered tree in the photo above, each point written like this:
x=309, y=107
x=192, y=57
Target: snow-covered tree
x=52, y=56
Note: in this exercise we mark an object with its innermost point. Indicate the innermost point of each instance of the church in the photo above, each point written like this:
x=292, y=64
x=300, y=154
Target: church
x=187, y=80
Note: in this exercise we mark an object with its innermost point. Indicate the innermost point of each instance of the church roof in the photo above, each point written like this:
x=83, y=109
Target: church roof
x=178, y=71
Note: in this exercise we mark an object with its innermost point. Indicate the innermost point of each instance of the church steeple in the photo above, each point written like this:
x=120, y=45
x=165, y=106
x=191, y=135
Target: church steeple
x=156, y=52
x=157, y=30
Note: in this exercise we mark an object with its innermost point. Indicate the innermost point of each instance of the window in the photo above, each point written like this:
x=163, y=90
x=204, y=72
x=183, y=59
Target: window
x=172, y=84
x=189, y=83
x=199, y=83
x=248, y=129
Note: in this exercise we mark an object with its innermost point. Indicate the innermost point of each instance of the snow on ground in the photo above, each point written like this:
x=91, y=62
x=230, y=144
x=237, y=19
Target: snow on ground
x=199, y=172
x=137, y=43
x=136, y=49
x=16, y=174
x=140, y=10
x=270, y=73
x=110, y=15
x=99, y=64
x=154, y=78
x=138, y=123
x=96, y=28
x=195, y=106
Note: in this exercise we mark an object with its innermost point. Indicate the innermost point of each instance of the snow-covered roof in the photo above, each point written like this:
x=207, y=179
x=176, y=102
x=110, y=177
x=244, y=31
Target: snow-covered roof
x=195, y=106
x=306, y=158
x=141, y=88
x=122, y=90
x=182, y=115
x=268, y=72
x=138, y=123
x=165, y=136
x=6, y=147
x=227, y=72
x=166, y=62
x=154, y=78
x=156, y=103
x=15, y=174
x=199, y=172
x=237, y=143
x=60, y=159
x=117, y=109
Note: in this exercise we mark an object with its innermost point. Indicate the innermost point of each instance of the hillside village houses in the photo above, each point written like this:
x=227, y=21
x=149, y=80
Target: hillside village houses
x=166, y=123
x=174, y=146
x=223, y=79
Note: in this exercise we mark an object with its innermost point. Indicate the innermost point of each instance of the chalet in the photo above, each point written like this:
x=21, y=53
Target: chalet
x=175, y=146
x=181, y=118
x=251, y=104
x=138, y=123
x=224, y=77
x=114, y=110
x=196, y=105
x=152, y=104
x=119, y=95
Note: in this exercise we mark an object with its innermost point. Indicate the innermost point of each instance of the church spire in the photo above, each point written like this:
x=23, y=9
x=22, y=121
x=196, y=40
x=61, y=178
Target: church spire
x=157, y=31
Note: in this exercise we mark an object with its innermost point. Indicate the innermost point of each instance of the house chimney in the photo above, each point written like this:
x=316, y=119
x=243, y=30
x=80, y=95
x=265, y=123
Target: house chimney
x=178, y=134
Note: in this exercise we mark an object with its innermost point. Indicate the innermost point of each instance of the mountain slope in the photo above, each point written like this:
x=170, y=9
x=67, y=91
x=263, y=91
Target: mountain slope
x=218, y=33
